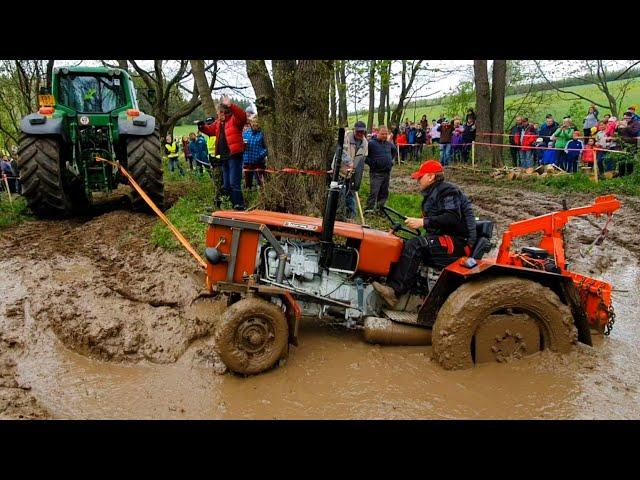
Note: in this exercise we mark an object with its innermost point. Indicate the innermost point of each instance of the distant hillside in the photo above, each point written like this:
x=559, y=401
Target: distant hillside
x=551, y=104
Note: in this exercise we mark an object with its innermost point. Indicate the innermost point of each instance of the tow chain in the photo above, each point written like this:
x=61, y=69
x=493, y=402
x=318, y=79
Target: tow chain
x=612, y=319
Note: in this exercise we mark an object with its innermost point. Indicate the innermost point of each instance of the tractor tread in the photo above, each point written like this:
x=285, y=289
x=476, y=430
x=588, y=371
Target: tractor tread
x=41, y=176
x=144, y=161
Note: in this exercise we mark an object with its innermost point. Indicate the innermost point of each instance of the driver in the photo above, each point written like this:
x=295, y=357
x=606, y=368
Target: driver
x=451, y=231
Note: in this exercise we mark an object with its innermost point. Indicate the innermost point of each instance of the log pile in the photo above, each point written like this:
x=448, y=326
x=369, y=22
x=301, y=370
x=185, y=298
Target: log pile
x=541, y=171
x=519, y=173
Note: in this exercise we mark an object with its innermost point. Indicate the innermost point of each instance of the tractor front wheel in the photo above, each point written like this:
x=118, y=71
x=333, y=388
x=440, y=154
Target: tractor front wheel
x=144, y=161
x=252, y=336
x=499, y=319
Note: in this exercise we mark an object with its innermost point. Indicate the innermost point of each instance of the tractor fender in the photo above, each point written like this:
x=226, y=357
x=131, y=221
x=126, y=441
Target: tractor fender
x=42, y=125
x=455, y=275
x=127, y=126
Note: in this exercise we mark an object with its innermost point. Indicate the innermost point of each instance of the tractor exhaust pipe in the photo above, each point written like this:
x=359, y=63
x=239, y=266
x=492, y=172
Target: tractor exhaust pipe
x=383, y=331
x=329, y=219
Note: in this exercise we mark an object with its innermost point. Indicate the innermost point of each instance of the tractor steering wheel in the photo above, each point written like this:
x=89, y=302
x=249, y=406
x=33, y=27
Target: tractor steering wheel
x=397, y=226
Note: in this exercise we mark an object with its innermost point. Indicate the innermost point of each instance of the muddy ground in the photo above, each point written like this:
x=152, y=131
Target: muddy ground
x=95, y=322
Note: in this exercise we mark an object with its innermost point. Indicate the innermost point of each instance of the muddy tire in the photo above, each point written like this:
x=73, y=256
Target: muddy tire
x=468, y=306
x=252, y=336
x=144, y=161
x=41, y=176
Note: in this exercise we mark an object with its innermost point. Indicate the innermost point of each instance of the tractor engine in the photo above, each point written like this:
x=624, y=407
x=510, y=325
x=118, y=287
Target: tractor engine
x=338, y=285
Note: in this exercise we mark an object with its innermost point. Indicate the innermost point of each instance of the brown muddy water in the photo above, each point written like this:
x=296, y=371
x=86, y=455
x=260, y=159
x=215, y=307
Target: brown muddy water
x=96, y=323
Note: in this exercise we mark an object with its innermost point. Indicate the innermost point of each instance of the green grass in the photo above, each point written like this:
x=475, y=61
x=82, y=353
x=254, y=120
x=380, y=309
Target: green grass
x=180, y=130
x=184, y=214
x=12, y=213
x=554, y=105
x=196, y=197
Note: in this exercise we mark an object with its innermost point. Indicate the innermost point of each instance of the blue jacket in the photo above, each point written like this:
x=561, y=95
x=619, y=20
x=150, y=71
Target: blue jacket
x=411, y=135
x=546, y=131
x=254, y=148
x=549, y=156
x=198, y=149
x=380, y=156
x=573, y=154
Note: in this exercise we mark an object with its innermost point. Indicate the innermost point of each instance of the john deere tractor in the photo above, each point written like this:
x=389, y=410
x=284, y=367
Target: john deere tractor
x=90, y=112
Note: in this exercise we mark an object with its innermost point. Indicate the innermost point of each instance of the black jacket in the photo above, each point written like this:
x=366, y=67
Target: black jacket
x=468, y=133
x=447, y=211
x=380, y=156
x=546, y=131
x=515, y=129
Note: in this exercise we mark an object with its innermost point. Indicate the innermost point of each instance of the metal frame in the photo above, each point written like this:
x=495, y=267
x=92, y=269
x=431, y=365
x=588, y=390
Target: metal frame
x=237, y=226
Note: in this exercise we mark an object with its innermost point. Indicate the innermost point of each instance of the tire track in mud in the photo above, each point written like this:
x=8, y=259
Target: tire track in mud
x=105, y=292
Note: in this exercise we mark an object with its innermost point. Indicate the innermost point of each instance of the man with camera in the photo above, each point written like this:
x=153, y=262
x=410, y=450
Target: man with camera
x=227, y=129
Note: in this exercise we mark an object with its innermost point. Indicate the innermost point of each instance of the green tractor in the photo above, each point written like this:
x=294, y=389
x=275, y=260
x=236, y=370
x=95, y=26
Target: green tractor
x=90, y=112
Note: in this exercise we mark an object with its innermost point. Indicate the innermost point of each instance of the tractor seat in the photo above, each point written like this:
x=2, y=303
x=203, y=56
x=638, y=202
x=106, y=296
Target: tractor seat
x=484, y=232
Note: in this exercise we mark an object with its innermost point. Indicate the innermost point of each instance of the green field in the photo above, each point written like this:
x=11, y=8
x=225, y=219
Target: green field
x=552, y=104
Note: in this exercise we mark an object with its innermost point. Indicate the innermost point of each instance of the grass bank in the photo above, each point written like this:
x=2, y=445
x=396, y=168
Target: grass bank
x=12, y=213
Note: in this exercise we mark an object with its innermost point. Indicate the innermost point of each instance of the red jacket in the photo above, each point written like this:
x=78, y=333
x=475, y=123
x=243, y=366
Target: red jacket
x=588, y=154
x=232, y=129
x=528, y=139
x=401, y=139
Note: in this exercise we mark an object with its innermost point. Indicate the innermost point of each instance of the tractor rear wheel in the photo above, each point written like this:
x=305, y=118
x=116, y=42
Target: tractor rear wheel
x=41, y=176
x=252, y=336
x=498, y=319
x=144, y=161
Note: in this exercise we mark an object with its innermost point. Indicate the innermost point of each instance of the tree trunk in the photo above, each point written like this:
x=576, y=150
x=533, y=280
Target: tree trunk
x=332, y=96
x=49, y=77
x=483, y=106
x=407, y=83
x=498, y=86
x=384, y=92
x=123, y=64
x=200, y=78
x=372, y=94
x=295, y=112
x=341, y=82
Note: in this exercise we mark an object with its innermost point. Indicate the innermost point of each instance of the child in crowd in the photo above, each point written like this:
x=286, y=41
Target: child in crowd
x=401, y=142
x=550, y=155
x=538, y=151
x=456, y=140
x=589, y=152
x=573, y=149
x=526, y=153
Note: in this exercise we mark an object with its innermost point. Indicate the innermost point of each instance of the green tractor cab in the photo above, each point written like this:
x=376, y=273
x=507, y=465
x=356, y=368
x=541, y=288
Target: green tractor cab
x=91, y=112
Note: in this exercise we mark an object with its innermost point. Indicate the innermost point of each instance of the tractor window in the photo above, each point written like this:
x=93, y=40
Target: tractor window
x=92, y=94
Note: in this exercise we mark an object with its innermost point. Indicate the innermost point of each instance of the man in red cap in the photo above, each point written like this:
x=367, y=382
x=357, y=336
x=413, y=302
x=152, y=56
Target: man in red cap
x=451, y=232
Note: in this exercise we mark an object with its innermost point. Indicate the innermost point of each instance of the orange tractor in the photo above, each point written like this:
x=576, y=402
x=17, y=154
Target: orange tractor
x=274, y=268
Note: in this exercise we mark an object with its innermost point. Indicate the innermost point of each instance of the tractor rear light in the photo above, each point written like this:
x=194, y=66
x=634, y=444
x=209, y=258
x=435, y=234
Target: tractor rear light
x=132, y=112
x=46, y=110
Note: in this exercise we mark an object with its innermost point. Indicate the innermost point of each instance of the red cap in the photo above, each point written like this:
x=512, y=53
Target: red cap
x=430, y=166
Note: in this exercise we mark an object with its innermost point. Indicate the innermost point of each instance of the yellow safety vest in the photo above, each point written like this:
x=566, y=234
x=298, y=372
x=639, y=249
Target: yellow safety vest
x=172, y=149
x=211, y=146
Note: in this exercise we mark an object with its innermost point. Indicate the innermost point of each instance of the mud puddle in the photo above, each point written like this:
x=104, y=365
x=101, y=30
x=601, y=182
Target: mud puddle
x=331, y=375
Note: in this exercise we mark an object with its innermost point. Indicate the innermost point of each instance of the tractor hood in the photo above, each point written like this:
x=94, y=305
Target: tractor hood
x=378, y=249
x=296, y=222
